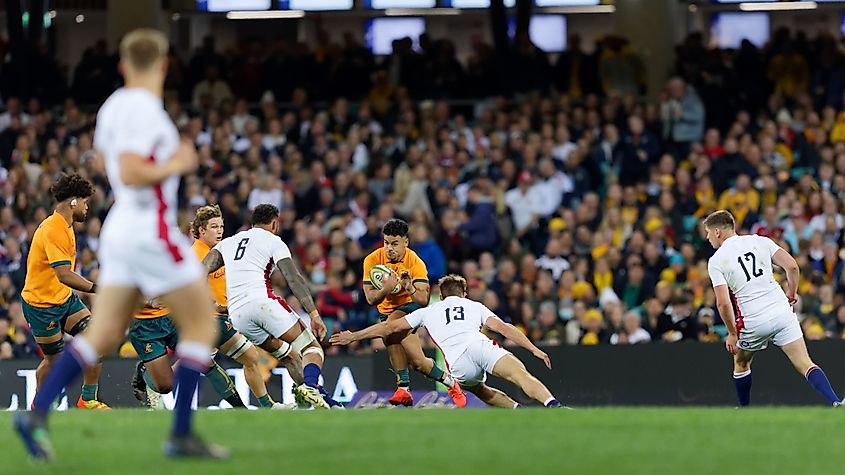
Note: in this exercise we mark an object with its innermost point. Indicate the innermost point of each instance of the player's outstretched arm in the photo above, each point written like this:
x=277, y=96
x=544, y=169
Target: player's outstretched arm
x=783, y=259
x=136, y=170
x=379, y=330
x=513, y=334
x=73, y=280
x=299, y=288
x=213, y=261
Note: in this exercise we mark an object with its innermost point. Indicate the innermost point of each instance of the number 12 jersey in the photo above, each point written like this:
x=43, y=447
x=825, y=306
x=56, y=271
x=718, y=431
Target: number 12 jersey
x=744, y=264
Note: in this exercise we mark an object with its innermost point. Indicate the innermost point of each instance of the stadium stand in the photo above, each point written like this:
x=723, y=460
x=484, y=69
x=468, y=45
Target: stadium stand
x=571, y=203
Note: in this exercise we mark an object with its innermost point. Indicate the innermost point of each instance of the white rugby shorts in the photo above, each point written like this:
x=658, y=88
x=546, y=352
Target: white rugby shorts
x=471, y=368
x=155, y=266
x=781, y=330
x=263, y=318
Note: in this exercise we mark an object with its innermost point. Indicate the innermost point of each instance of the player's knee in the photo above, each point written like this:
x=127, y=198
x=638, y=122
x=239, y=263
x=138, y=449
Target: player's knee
x=240, y=349
x=314, y=349
x=80, y=326
x=52, y=349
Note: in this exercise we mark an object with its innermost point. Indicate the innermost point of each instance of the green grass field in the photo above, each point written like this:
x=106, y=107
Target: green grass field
x=587, y=441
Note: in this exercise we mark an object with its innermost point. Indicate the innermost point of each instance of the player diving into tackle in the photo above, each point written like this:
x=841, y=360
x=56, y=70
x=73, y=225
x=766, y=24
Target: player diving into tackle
x=256, y=312
x=454, y=324
x=49, y=305
x=142, y=250
x=754, y=307
x=404, y=290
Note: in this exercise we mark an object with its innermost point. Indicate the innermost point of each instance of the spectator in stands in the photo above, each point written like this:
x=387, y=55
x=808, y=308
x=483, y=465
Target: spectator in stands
x=632, y=332
x=683, y=116
x=211, y=91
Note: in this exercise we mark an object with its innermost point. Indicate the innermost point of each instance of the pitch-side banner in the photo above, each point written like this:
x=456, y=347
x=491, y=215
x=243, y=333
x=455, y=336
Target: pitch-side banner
x=653, y=374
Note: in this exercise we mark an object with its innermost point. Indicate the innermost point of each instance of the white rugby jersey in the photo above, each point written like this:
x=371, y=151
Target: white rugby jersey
x=250, y=257
x=133, y=120
x=453, y=323
x=744, y=264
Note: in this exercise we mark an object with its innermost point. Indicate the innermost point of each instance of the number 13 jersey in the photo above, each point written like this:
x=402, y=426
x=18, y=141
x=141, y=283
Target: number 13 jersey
x=250, y=257
x=744, y=264
x=452, y=323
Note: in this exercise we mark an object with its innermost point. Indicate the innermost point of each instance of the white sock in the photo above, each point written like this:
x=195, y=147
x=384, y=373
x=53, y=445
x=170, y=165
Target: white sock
x=195, y=354
x=516, y=405
x=83, y=349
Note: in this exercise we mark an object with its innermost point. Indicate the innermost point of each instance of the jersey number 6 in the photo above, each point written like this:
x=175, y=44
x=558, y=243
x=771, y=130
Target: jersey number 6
x=239, y=252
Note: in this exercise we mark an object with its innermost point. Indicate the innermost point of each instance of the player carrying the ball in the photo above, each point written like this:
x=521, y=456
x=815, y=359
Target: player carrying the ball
x=396, y=280
x=455, y=322
x=753, y=305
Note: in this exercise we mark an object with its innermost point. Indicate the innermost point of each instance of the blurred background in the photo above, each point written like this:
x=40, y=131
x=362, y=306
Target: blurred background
x=560, y=154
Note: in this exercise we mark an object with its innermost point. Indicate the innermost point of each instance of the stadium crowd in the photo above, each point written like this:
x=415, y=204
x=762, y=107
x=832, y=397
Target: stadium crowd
x=571, y=204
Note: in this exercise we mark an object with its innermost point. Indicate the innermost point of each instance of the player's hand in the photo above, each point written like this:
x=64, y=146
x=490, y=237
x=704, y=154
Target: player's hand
x=406, y=281
x=390, y=282
x=221, y=309
x=343, y=338
x=185, y=160
x=790, y=296
x=730, y=344
x=540, y=354
x=318, y=327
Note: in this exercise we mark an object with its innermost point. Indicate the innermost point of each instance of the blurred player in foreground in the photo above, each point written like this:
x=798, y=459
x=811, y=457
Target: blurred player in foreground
x=142, y=250
x=454, y=324
x=403, y=290
x=754, y=307
x=265, y=318
x=49, y=305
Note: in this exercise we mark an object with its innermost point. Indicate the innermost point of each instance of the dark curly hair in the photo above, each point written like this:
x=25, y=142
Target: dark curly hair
x=71, y=186
x=264, y=214
x=395, y=227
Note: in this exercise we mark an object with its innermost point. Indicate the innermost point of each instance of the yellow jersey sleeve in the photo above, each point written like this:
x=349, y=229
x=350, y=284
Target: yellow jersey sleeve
x=419, y=272
x=58, y=248
x=369, y=262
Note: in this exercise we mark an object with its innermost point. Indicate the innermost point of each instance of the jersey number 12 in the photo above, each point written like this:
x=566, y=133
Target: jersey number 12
x=749, y=257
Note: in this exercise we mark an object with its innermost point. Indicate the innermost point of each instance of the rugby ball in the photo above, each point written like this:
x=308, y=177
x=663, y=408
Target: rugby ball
x=378, y=274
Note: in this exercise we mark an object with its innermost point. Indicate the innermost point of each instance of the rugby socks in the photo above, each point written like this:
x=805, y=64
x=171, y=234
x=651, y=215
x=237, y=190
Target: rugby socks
x=79, y=355
x=311, y=375
x=194, y=358
x=403, y=378
x=223, y=385
x=265, y=401
x=742, y=382
x=552, y=402
x=438, y=374
x=89, y=392
x=818, y=380
x=150, y=383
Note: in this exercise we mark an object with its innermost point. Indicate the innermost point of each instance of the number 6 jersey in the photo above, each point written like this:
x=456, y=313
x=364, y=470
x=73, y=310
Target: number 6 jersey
x=250, y=257
x=452, y=323
x=744, y=264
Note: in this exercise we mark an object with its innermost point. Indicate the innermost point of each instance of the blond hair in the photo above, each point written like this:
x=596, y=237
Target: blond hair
x=721, y=219
x=204, y=215
x=142, y=48
x=452, y=285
